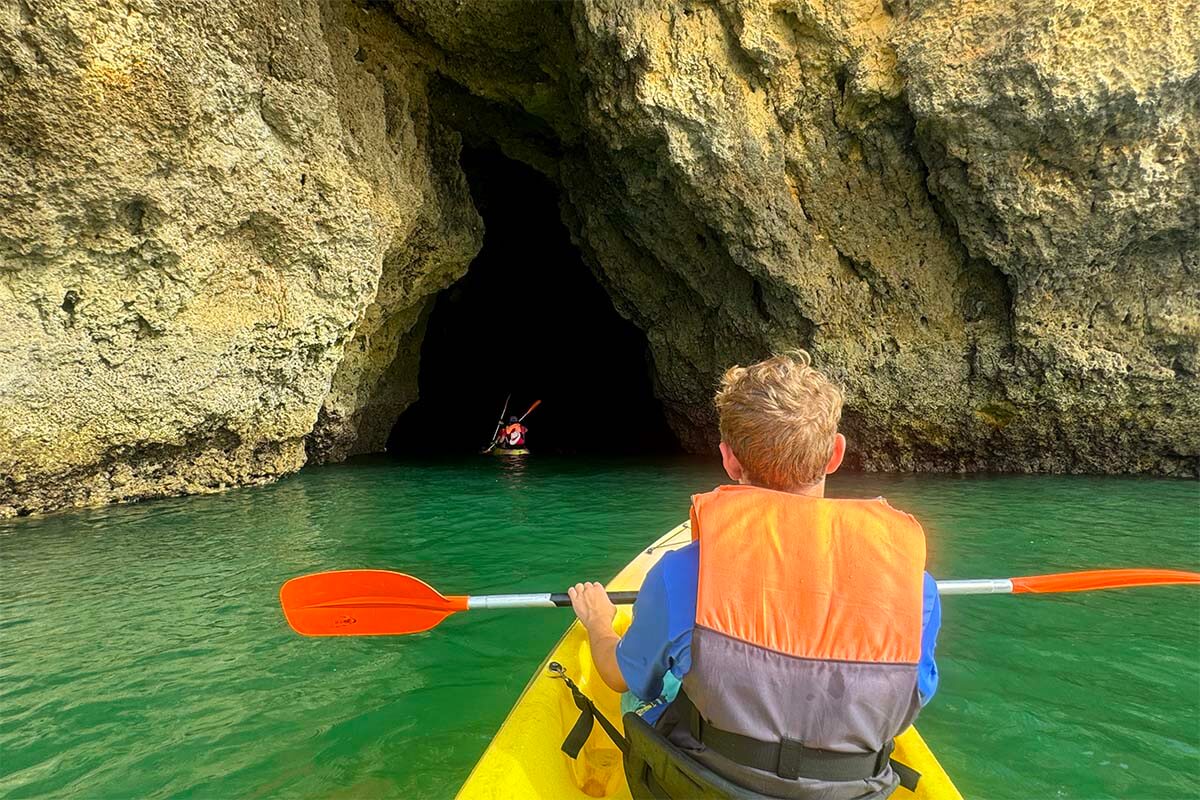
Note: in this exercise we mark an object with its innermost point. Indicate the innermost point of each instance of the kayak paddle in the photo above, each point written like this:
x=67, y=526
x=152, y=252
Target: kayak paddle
x=500, y=422
x=377, y=602
x=1086, y=581
x=536, y=403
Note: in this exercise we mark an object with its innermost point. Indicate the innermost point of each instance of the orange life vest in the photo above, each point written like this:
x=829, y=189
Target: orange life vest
x=808, y=627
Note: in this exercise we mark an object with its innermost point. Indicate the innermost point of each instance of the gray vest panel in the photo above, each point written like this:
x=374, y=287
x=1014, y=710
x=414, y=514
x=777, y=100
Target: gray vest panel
x=847, y=707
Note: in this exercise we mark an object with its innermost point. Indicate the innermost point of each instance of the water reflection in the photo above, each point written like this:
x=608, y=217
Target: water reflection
x=513, y=468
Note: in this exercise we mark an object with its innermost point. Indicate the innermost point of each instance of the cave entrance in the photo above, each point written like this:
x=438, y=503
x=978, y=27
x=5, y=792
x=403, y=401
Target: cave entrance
x=529, y=319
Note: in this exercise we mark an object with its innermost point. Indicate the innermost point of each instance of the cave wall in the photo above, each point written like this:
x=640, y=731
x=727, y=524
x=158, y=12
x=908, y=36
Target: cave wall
x=983, y=217
x=222, y=224
x=216, y=228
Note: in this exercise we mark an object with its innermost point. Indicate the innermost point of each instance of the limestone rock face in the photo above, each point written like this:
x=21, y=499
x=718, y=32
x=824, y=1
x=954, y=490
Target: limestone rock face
x=216, y=226
x=1064, y=142
x=779, y=203
x=222, y=224
x=981, y=216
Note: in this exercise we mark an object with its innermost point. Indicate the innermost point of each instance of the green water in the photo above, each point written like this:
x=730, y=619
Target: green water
x=142, y=653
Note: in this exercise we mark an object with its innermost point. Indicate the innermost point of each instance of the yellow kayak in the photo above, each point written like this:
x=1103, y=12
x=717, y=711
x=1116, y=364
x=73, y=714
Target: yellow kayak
x=510, y=451
x=524, y=759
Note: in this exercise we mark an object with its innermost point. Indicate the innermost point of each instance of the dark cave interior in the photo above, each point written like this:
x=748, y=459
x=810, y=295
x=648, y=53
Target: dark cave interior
x=530, y=320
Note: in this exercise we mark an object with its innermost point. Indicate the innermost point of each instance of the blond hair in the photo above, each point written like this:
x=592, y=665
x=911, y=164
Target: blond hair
x=780, y=418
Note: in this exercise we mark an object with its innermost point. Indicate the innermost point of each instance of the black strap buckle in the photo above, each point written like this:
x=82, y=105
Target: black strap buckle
x=791, y=759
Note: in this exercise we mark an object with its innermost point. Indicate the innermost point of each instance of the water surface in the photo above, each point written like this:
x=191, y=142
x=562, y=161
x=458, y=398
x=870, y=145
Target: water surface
x=142, y=653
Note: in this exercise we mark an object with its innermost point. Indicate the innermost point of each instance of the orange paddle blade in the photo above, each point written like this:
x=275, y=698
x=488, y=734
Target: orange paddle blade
x=1101, y=579
x=364, y=602
x=536, y=403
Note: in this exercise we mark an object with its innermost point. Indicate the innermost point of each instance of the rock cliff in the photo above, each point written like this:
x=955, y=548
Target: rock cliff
x=218, y=230
x=222, y=224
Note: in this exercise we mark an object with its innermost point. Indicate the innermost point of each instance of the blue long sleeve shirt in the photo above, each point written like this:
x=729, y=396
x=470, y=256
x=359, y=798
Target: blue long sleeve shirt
x=656, y=651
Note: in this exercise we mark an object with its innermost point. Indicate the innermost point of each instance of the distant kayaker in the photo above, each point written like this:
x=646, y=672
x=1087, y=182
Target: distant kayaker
x=513, y=434
x=802, y=628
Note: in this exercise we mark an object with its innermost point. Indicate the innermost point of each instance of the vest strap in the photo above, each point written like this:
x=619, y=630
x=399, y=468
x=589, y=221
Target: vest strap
x=791, y=759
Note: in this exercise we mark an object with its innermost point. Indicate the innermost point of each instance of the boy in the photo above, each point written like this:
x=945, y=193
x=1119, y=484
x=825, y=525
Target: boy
x=802, y=628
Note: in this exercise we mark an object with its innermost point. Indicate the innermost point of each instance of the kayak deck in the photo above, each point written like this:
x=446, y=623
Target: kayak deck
x=524, y=759
x=510, y=451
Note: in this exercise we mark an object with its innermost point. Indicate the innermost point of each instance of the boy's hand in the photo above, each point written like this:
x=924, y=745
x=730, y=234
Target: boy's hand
x=592, y=606
x=596, y=612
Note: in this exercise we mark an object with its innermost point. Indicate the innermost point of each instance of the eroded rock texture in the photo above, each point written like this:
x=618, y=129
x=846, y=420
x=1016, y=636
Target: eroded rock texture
x=216, y=230
x=222, y=224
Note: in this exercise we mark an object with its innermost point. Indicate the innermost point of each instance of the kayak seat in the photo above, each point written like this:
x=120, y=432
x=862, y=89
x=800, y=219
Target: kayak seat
x=658, y=770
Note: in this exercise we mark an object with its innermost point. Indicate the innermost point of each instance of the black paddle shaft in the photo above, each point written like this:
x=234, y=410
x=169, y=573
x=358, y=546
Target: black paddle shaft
x=561, y=599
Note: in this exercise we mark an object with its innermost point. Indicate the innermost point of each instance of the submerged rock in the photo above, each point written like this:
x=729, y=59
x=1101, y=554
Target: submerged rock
x=221, y=227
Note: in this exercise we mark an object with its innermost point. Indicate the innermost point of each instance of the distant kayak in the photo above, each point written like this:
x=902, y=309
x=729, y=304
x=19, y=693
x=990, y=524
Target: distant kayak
x=510, y=451
x=525, y=758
